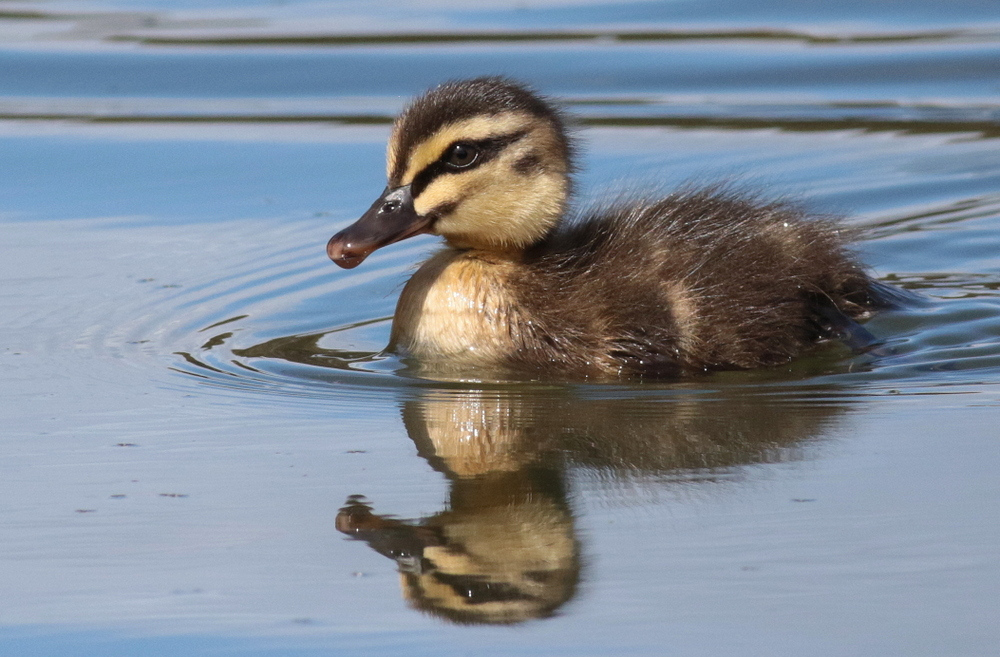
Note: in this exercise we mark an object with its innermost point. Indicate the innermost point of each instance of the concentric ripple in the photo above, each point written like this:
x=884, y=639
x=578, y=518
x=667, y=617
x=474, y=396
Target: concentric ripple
x=283, y=321
x=275, y=319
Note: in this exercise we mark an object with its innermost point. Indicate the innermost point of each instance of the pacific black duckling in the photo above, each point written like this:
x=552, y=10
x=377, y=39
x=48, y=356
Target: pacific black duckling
x=696, y=281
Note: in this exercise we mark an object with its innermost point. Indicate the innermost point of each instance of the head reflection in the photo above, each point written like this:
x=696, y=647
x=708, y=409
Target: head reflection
x=504, y=550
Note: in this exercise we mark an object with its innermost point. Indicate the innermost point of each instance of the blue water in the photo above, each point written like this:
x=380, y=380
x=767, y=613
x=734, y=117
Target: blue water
x=195, y=398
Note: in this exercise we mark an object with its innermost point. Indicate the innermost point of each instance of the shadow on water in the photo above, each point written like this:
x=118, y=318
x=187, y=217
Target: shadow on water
x=505, y=549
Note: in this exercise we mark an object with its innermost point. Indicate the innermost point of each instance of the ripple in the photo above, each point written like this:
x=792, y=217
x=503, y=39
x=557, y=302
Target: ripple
x=382, y=39
x=287, y=324
x=208, y=331
x=936, y=216
x=707, y=111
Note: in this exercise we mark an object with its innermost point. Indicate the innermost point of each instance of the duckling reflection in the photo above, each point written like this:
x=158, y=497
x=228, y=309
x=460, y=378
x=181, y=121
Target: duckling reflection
x=504, y=550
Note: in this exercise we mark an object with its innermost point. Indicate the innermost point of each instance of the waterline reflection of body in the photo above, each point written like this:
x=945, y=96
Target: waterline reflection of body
x=505, y=549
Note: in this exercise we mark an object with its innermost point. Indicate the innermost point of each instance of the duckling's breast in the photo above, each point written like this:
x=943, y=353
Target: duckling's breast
x=457, y=309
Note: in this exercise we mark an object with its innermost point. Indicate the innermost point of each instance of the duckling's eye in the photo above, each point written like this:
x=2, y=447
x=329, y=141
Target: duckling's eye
x=461, y=155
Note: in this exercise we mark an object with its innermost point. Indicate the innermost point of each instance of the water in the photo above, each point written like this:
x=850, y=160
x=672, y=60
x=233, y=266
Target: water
x=198, y=418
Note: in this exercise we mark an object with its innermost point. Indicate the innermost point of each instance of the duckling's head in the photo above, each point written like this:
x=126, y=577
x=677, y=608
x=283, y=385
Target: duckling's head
x=485, y=163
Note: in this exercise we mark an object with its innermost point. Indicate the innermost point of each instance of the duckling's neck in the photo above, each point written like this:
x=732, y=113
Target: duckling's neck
x=487, y=251
x=458, y=308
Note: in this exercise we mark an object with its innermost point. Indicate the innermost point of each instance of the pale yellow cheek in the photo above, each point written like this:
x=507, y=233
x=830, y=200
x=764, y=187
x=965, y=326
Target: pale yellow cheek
x=447, y=188
x=505, y=210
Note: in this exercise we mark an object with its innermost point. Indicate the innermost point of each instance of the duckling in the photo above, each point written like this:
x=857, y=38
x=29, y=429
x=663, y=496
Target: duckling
x=696, y=281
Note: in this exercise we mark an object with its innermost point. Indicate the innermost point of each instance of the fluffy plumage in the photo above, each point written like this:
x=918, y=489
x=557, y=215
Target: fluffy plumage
x=714, y=280
x=696, y=281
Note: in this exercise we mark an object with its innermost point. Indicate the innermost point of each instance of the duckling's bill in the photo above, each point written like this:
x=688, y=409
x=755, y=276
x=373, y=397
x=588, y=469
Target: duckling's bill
x=390, y=219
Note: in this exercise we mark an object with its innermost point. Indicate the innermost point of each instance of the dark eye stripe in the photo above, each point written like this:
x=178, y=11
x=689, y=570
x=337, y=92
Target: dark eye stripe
x=488, y=150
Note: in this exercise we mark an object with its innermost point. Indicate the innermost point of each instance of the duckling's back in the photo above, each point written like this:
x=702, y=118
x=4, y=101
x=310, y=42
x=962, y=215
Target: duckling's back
x=692, y=282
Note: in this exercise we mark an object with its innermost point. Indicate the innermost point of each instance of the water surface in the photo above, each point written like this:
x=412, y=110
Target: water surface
x=206, y=451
